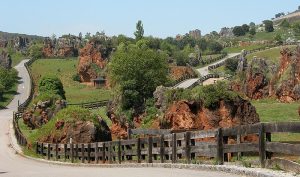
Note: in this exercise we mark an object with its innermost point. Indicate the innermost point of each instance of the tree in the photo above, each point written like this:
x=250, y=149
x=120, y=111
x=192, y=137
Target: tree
x=268, y=25
x=80, y=35
x=87, y=36
x=136, y=72
x=139, y=33
x=245, y=28
x=231, y=64
x=252, y=25
x=238, y=31
x=215, y=47
x=51, y=84
x=252, y=31
x=35, y=51
x=8, y=78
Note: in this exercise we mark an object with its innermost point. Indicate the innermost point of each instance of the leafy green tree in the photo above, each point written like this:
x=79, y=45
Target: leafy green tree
x=231, y=64
x=51, y=84
x=136, y=72
x=35, y=51
x=245, y=28
x=238, y=31
x=180, y=58
x=139, y=33
x=268, y=25
x=8, y=78
x=252, y=25
x=252, y=31
x=215, y=47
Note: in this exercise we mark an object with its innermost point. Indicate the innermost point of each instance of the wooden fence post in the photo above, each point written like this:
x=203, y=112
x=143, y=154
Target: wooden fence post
x=129, y=133
x=162, y=148
x=56, y=151
x=42, y=149
x=220, y=150
x=138, y=148
x=96, y=152
x=76, y=151
x=268, y=139
x=65, y=151
x=150, y=145
x=37, y=148
x=48, y=151
x=119, y=151
x=110, y=152
x=238, y=141
x=174, y=148
x=103, y=153
x=89, y=153
x=72, y=152
x=262, y=146
x=82, y=153
x=188, y=147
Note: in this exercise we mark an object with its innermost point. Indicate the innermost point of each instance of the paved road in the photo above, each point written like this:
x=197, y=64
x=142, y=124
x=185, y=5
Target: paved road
x=203, y=72
x=13, y=165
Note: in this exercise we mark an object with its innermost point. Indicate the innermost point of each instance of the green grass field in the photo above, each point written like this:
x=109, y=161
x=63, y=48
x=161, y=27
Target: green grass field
x=272, y=54
x=65, y=69
x=239, y=49
x=270, y=110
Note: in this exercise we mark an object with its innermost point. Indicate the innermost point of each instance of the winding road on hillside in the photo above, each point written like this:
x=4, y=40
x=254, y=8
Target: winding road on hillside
x=14, y=165
x=203, y=71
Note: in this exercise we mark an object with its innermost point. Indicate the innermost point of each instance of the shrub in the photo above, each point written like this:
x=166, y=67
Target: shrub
x=35, y=51
x=268, y=25
x=51, y=84
x=45, y=96
x=231, y=64
x=8, y=78
x=238, y=31
x=76, y=77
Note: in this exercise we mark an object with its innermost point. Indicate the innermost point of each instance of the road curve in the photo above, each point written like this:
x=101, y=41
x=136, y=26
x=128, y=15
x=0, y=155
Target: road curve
x=13, y=165
x=203, y=72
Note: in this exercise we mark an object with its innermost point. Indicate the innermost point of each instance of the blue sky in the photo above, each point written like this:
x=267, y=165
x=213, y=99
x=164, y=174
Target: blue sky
x=161, y=18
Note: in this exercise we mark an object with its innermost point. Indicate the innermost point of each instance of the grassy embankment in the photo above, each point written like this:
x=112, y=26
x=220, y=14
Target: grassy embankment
x=65, y=69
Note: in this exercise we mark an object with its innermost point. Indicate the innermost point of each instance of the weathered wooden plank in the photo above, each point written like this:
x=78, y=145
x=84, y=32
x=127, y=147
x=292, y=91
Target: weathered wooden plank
x=285, y=148
x=291, y=127
x=129, y=142
x=150, y=131
x=220, y=150
x=242, y=130
x=203, y=134
x=244, y=147
x=262, y=146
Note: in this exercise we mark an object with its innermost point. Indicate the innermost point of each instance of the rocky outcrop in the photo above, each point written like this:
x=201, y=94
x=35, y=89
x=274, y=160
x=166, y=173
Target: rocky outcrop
x=193, y=115
x=226, y=32
x=78, y=132
x=89, y=60
x=41, y=113
x=160, y=98
x=65, y=46
x=178, y=72
x=256, y=82
x=5, y=60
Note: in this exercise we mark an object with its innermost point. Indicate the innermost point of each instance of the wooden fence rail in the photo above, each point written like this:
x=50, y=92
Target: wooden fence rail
x=177, y=147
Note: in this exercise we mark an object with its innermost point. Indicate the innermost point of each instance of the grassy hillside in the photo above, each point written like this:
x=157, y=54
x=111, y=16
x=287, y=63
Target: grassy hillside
x=65, y=69
x=272, y=54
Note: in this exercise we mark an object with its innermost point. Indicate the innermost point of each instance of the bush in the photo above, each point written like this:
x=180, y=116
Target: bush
x=215, y=47
x=151, y=113
x=8, y=78
x=45, y=97
x=35, y=51
x=252, y=31
x=52, y=85
x=238, y=31
x=268, y=25
x=212, y=94
x=231, y=64
x=76, y=77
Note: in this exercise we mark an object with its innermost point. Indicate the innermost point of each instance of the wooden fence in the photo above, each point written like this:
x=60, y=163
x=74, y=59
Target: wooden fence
x=91, y=105
x=178, y=147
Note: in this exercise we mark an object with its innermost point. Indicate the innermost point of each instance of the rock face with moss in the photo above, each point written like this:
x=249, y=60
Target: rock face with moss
x=262, y=79
x=5, y=60
x=76, y=125
x=65, y=46
x=44, y=108
x=91, y=61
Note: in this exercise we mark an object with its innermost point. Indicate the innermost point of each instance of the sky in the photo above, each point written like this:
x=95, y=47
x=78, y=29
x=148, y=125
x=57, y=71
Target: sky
x=161, y=18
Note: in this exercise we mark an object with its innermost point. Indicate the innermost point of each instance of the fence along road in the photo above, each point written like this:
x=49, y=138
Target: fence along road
x=13, y=165
x=203, y=72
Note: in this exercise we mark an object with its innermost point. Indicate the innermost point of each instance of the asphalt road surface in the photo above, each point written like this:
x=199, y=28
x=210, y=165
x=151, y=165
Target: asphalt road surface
x=14, y=165
x=203, y=72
